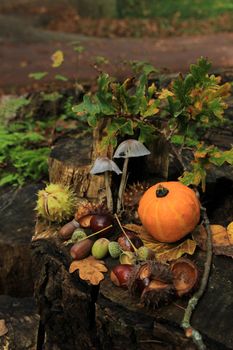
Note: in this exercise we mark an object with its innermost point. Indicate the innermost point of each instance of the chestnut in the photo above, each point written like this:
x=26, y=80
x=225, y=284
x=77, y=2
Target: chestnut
x=125, y=243
x=100, y=221
x=120, y=274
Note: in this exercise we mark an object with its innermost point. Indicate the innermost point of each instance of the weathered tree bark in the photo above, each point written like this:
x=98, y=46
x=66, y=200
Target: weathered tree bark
x=79, y=316
x=16, y=230
x=21, y=322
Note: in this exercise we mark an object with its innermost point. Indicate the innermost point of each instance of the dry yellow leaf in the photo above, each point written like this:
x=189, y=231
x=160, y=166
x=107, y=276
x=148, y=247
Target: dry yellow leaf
x=90, y=269
x=222, y=239
x=57, y=58
x=163, y=251
x=230, y=232
x=3, y=328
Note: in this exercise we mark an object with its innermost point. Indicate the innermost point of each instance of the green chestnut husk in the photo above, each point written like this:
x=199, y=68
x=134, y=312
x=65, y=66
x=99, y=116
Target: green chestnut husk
x=56, y=203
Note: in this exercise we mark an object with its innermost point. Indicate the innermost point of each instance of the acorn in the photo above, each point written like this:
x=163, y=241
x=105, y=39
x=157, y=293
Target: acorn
x=56, y=203
x=120, y=274
x=82, y=249
x=125, y=243
x=185, y=275
x=67, y=230
x=100, y=248
x=77, y=235
x=144, y=253
x=114, y=249
x=127, y=257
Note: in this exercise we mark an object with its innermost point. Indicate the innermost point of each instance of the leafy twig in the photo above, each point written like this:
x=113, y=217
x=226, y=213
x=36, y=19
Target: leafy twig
x=185, y=324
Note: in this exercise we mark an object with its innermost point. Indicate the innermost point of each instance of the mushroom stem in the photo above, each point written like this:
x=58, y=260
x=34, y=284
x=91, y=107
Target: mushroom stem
x=122, y=185
x=108, y=192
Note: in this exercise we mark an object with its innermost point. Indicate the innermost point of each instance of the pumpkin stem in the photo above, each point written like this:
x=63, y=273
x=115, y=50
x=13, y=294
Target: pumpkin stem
x=161, y=191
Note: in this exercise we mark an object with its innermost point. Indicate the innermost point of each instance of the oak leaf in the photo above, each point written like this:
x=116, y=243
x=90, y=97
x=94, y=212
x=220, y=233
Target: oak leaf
x=163, y=251
x=90, y=269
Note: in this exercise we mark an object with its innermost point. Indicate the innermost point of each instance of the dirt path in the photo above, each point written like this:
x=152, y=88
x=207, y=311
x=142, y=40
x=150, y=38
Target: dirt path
x=19, y=58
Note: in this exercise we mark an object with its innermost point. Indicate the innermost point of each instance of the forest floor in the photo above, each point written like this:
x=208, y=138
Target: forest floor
x=26, y=49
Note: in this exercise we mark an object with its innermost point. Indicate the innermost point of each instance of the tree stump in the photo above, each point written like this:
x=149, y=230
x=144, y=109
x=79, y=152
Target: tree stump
x=76, y=315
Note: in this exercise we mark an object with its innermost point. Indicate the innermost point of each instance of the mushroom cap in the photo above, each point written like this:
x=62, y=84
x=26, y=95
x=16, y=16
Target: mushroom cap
x=103, y=164
x=131, y=148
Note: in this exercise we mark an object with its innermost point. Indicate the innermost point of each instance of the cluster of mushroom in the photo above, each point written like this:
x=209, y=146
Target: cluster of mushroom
x=127, y=149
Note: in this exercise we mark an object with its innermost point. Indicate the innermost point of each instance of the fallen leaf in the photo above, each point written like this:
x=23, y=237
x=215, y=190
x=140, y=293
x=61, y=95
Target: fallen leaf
x=163, y=251
x=57, y=58
x=230, y=232
x=222, y=239
x=90, y=269
x=3, y=328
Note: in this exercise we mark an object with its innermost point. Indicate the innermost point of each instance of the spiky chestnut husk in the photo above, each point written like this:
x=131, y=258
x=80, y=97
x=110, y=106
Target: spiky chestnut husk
x=133, y=193
x=87, y=209
x=56, y=203
x=151, y=270
x=157, y=293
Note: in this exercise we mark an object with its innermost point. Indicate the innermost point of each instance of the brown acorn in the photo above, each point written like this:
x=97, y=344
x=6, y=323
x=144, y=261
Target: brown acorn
x=67, y=230
x=125, y=243
x=185, y=275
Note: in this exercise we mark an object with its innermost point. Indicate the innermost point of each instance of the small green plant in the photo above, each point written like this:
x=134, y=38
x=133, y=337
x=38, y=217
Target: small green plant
x=182, y=113
x=22, y=156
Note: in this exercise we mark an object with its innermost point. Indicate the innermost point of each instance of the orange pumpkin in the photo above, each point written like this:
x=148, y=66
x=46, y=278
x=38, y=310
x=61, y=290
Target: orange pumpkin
x=169, y=211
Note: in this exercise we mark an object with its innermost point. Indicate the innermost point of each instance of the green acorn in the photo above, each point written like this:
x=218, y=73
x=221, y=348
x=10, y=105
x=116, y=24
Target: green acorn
x=56, y=203
x=100, y=248
x=78, y=234
x=127, y=257
x=144, y=253
x=114, y=249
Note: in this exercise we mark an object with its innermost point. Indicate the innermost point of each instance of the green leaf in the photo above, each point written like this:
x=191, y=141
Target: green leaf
x=195, y=177
x=51, y=97
x=8, y=179
x=92, y=120
x=38, y=75
x=61, y=77
x=151, y=110
x=79, y=49
x=146, y=133
x=127, y=128
x=200, y=70
x=218, y=158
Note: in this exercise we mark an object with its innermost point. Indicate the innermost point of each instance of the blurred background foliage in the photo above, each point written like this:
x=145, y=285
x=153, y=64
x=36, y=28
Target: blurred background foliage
x=126, y=18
